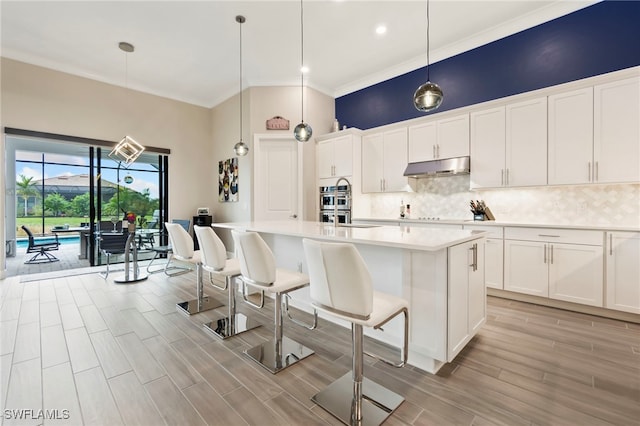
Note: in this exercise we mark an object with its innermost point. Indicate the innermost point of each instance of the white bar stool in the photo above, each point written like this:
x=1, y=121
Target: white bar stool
x=341, y=286
x=182, y=250
x=258, y=267
x=214, y=261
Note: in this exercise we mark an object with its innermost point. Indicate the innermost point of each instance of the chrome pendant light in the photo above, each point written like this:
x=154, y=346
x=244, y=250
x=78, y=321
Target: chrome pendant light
x=303, y=131
x=127, y=150
x=428, y=96
x=241, y=148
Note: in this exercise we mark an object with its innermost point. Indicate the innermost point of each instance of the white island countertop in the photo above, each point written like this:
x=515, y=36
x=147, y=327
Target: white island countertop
x=406, y=237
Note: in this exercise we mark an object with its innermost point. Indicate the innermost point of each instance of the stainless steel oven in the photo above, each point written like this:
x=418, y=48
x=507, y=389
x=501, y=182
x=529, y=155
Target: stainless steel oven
x=335, y=199
x=328, y=195
x=343, y=216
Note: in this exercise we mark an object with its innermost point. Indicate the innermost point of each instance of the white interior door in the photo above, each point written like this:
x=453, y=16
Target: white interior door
x=276, y=178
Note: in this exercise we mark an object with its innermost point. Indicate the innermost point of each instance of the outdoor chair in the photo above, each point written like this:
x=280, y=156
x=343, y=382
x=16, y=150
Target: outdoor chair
x=41, y=248
x=111, y=244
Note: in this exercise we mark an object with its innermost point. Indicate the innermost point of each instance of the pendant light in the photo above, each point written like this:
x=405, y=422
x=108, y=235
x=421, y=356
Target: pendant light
x=241, y=148
x=428, y=96
x=303, y=131
x=127, y=150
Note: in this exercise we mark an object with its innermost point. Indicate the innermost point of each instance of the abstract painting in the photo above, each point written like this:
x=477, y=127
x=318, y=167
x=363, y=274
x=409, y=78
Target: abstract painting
x=228, y=180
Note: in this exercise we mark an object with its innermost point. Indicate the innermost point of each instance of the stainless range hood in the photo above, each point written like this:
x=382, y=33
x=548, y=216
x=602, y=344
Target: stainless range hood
x=444, y=167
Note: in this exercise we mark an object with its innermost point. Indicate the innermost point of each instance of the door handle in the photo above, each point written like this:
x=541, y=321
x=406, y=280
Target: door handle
x=507, y=177
x=589, y=171
x=293, y=216
x=610, y=244
x=551, y=246
x=434, y=151
x=545, y=254
x=597, y=174
x=474, y=261
x=502, y=177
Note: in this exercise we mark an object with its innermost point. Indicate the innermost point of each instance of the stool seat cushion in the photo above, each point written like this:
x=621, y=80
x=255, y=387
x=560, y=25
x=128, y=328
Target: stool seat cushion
x=286, y=280
x=195, y=258
x=231, y=268
x=385, y=306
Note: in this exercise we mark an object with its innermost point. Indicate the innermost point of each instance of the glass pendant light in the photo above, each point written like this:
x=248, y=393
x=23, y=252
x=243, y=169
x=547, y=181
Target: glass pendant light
x=241, y=148
x=303, y=131
x=428, y=96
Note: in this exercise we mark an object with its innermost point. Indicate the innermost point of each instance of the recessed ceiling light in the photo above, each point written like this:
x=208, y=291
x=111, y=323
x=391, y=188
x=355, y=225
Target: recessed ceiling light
x=381, y=29
x=304, y=69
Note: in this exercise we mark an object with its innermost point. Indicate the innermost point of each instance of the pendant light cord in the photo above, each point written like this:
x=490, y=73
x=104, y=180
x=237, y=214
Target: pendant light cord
x=428, y=28
x=301, y=61
x=240, y=81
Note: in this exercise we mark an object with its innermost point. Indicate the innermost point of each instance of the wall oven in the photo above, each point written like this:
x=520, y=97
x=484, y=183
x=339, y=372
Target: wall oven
x=332, y=200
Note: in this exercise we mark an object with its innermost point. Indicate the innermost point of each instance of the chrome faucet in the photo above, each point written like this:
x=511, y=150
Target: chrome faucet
x=335, y=197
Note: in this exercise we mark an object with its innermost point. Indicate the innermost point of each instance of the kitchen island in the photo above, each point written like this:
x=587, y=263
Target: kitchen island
x=439, y=271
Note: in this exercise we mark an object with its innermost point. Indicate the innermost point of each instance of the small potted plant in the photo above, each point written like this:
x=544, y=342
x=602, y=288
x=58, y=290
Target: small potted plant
x=131, y=218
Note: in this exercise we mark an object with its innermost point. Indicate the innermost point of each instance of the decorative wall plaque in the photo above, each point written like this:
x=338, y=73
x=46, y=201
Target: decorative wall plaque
x=277, y=123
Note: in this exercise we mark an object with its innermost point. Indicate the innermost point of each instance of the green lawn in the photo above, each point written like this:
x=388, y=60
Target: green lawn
x=35, y=223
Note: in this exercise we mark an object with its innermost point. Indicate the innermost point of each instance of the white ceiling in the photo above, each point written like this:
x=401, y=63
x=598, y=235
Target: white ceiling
x=189, y=50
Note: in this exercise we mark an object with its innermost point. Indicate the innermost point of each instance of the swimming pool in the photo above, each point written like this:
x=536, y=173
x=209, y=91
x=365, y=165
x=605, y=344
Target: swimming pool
x=67, y=239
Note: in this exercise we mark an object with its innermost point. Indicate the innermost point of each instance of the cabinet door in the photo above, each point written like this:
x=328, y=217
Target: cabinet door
x=422, y=142
x=617, y=131
x=453, y=137
x=324, y=153
x=343, y=156
x=395, y=160
x=477, y=289
x=494, y=263
x=458, y=297
x=372, y=161
x=526, y=143
x=576, y=273
x=571, y=137
x=487, y=148
x=525, y=267
x=623, y=271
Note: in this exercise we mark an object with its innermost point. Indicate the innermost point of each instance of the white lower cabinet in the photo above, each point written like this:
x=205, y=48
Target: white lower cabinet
x=493, y=255
x=623, y=271
x=559, y=264
x=466, y=289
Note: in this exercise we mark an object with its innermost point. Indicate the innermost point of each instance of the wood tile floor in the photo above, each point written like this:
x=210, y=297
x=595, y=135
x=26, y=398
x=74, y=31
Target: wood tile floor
x=93, y=352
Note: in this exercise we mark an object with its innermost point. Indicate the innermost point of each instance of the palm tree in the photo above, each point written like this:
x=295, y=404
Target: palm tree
x=26, y=189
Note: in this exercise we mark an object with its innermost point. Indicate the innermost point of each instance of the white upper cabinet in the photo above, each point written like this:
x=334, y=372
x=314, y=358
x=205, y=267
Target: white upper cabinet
x=616, y=139
x=384, y=159
x=445, y=138
x=526, y=143
x=335, y=157
x=571, y=137
x=509, y=145
x=488, y=148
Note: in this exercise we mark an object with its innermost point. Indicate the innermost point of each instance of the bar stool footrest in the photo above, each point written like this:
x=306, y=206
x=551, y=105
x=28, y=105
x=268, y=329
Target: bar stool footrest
x=378, y=402
x=190, y=307
x=265, y=354
x=223, y=328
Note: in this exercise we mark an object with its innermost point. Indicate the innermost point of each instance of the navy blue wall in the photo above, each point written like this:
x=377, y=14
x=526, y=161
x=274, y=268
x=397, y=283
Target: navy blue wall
x=601, y=38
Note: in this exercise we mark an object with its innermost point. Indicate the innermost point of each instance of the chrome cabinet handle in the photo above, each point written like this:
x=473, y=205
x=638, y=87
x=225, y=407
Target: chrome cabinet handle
x=597, y=178
x=545, y=254
x=507, y=177
x=551, y=247
x=474, y=262
x=549, y=235
x=437, y=151
x=589, y=171
x=293, y=216
x=610, y=244
x=434, y=151
x=502, y=177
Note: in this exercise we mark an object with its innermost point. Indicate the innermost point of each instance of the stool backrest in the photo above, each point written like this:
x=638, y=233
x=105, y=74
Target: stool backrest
x=214, y=254
x=257, y=262
x=181, y=241
x=339, y=278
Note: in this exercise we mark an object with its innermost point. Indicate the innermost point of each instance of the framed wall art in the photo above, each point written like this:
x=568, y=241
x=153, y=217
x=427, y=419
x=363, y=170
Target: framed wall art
x=228, y=180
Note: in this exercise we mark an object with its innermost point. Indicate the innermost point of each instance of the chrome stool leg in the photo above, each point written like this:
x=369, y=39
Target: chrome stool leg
x=279, y=352
x=370, y=404
x=202, y=303
x=234, y=323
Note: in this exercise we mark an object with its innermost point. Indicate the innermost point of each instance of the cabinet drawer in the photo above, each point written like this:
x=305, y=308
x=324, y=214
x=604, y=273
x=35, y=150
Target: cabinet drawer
x=494, y=231
x=553, y=235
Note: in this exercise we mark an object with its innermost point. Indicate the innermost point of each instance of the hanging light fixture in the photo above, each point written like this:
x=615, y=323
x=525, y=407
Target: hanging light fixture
x=127, y=150
x=303, y=131
x=428, y=96
x=241, y=148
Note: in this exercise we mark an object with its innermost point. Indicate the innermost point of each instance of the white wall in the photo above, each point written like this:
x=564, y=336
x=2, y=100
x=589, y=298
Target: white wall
x=259, y=105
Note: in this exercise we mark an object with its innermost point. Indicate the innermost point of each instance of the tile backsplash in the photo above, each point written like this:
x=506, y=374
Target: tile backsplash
x=448, y=198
